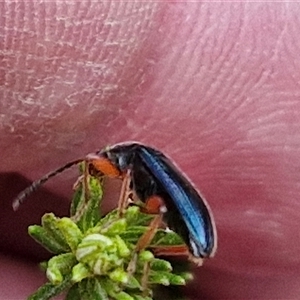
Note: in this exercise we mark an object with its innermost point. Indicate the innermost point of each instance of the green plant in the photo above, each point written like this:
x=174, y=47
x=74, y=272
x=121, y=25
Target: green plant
x=92, y=252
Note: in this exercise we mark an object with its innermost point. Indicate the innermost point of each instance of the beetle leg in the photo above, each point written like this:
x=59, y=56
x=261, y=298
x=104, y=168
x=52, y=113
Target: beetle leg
x=145, y=277
x=147, y=237
x=176, y=250
x=153, y=205
x=125, y=194
x=172, y=250
x=144, y=241
x=132, y=264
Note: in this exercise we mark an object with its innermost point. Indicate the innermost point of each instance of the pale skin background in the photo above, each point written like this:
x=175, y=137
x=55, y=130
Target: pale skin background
x=216, y=86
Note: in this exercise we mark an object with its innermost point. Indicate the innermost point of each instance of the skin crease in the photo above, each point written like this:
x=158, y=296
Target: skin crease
x=215, y=86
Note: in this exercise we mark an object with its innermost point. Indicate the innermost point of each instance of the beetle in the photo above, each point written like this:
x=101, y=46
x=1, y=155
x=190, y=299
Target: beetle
x=153, y=176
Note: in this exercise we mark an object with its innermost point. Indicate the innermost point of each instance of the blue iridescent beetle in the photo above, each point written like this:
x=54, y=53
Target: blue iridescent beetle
x=152, y=174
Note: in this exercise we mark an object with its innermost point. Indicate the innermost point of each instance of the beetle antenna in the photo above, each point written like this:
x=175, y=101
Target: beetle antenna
x=36, y=184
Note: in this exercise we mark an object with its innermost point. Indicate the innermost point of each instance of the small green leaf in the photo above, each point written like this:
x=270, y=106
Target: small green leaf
x=123, y=296
x=119, y=275
x=137, y=218
x=114, y=291
x=88, y=208
x=165, y=238
x=133, y=283
x=107, y=219
x=73, y=293
x=84, y=290
x=166, y=278
x=145, y=256
x=50, y=290
x=70, y=231
x=110, y=287
x=91, y=289
x=159, y=278
x=93, y=243
x=187, y=276
x=49, y=222
x=98, y=292
x=79, y=272
x=122, y=247
x=114, y=228
x=60, y=265
x=161, y=265
x=133, y=233
x=41, y=236
x=176, y=279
